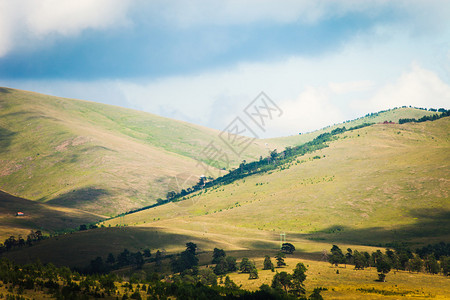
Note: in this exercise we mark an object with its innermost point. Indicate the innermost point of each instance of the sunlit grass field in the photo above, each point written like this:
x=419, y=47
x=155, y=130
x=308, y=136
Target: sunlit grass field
x=380, y=184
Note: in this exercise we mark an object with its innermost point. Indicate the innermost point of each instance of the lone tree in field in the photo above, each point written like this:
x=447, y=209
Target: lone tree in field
x=287, y=248
x=280, y=259
x=383, y=267
x=268, y=265
x=337, y=257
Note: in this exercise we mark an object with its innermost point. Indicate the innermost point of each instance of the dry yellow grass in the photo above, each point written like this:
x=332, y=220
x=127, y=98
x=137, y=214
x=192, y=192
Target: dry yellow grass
x=349, y=282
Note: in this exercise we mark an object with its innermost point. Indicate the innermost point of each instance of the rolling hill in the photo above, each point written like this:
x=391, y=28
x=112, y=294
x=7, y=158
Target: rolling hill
x=93, y=156
x=106, y=159
x=371, y=187
x=380, y=184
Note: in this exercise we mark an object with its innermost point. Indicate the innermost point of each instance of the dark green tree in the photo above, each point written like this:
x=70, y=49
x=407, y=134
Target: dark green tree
x=217, y=254
x=268, y=265
x=415, y=264
x=282, y=282
x=158, y=260
x=315, y=295
x=230, y=285
x=287, y=248
x=110, y=259
x=97, y=266
x=123, y=258
x=359, y=260
x=221, y=267
x=280, y=259
x=431, y=265
x=366, y=258
x=253, y=273
x=246, y=265
x=231, y=264
x=191, y=247
x=336, y=257
x=375, y=256
x=186, y=260
x=207, y=277
x=349, y=256
x=138, y=260
x=147, y=253
x=298, y=277
x=445, y=265
x=383, y=266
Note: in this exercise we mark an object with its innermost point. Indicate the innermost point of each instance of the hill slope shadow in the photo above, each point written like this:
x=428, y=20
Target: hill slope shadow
x=79, y=197
x=6, y=137
x=432, y=225
x=37, y=215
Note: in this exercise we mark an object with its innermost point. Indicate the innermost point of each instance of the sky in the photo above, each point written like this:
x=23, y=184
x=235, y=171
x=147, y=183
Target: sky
x=204, y=61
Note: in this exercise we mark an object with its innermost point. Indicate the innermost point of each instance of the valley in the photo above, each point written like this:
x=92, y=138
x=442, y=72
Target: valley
x=69, y=163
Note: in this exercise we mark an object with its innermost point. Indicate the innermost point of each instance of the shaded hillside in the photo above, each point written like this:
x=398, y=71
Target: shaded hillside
x=37, y=216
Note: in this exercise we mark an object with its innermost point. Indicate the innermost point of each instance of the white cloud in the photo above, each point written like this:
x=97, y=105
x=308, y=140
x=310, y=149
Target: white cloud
x=24, y=22
x=187, y=13
x=309, y=99
x=417, y=87
x=312, y=93
x=371, y=72
x=350, y=86
x=314, y=108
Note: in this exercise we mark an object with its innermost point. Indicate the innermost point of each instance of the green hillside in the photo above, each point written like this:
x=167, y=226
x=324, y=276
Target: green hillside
x=392, y=115
x=106, y=159
x=373, y=186
x=93, y=156
x=379, y=184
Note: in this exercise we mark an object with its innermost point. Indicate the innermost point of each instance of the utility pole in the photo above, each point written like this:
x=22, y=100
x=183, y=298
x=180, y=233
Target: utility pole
x=282, y=238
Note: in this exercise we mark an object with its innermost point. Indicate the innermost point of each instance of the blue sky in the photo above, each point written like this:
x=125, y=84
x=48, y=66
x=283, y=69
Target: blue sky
x=322, y=62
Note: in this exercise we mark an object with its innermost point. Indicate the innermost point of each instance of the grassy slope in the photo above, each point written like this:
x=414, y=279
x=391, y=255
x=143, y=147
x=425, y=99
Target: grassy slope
x=377, y=184
x=38, y=216
x=390, y=115
x=108, y=159
x=94, y=156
